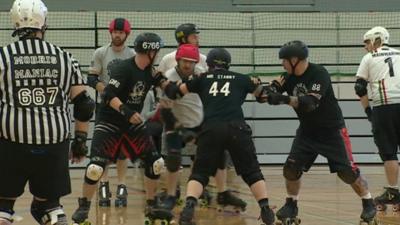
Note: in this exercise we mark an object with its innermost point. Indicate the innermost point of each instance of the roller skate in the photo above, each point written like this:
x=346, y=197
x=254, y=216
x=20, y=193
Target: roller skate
x=227, y=200
x=104, y=194
x=187, y=214
x=287, y=215
x=163, y=195
x=155, y=215
x=122, y=194
x=205, y=199
x=168, y=203
x=81, y=214
x=390, y=196
x=368, y=213
x=267, y=215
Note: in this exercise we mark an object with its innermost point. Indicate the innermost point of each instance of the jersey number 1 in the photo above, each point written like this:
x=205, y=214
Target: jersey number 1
x=214, y=89
x=390, y=63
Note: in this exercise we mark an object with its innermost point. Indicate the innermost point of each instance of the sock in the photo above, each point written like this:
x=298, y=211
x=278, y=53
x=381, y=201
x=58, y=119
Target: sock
x=367, y=196
x=263, y=202
x=294, y=197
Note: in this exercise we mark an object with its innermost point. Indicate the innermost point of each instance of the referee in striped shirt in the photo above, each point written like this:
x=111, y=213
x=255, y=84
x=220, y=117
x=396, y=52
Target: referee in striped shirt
x=37, y=81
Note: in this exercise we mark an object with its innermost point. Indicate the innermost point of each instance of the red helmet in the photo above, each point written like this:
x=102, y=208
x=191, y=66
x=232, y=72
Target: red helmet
x=120, y=24
x=189, y=52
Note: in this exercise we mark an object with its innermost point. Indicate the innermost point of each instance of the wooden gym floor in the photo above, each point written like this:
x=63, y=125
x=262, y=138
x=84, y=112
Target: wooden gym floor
x=324, y=199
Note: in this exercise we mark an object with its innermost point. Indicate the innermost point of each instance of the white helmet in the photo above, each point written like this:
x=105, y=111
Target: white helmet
x=28, y=14
x=377, y=32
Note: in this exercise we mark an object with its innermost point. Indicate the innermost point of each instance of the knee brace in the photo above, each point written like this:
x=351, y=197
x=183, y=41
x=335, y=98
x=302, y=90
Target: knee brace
x=94, y=171
x=291, y=170
x=48, y=212
x=174, y=146
x=252, y=178
x=202, y=179
x=388, y=157
x=153, y=166
x=348, y=176
x=169, y=119
x=6, y=210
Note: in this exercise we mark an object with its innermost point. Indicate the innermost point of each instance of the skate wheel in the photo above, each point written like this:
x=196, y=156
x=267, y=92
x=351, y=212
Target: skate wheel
x=179, y=202
x=203, y=203
x=396, y=208
x=148, y=221
x=220, y=209
x=381, y=207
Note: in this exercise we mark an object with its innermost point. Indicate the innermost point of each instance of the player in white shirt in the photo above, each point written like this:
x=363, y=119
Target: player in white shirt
x=188, y=113
x=104, y=58
x=186, y=33
x=380, y=68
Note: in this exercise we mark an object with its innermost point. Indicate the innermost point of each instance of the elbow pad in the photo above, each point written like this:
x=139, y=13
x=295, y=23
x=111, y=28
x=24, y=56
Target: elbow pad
x=108, y=95
x=308, y=103
x=361, y=87
x=92, y=80
x=83, y=107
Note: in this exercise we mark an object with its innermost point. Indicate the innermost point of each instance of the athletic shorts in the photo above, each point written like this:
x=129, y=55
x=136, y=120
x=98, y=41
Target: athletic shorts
x=386, y=128
x=234, y=137
x=109, y=141
x=44, y=167
x=332, y=144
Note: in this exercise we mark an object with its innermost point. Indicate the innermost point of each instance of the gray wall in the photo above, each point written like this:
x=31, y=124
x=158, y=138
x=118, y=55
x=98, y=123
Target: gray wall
x=253, y=39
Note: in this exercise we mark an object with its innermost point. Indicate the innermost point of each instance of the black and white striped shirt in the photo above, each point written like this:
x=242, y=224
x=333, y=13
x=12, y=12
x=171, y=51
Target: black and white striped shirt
x=35, y=83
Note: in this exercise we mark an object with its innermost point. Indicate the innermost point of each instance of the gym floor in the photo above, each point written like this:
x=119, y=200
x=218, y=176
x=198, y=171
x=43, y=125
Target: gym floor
x=324, y=199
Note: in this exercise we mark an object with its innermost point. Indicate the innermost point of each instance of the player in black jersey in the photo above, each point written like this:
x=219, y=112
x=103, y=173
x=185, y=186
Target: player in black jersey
x=37, y=81
x=224, y=128
x=322, y=128
x=120, y=126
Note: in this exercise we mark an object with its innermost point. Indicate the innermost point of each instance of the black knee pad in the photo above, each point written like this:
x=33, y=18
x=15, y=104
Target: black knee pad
x=348, y=176
x=7, y=209
x=202, y=179
x=48, y=212
x=291, y=170
x=252, y=178
x=388, y=157
x=153, y=164
x=173, y=160
x=168, y=118
x=95, y=170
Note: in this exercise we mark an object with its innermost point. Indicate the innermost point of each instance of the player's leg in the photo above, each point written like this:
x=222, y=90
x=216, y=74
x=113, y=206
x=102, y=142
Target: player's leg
x=386, y=127
x=104, y=189
x=13, y=174
x=105, y=144
x=49, y=182
x=336, y=147
x=210, y=146
x=121, y=199
x=243, y=153
x=300, y=159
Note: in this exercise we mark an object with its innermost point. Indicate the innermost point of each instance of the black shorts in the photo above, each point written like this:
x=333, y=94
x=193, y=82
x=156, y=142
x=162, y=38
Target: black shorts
x=386, y=128
x=109, y=141
x=45, y=167
x=332, y=144
x=214, y=139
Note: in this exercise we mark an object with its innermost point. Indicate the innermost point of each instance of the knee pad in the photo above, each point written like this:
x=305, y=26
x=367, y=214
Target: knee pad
x=252, y=178
x=48, y=212
x=202, y=179
x=388, y=157
x=291, y=170
x=174, y=146
x=173, y=160
x=348, y=176
x=168, y=118
x=94, y=171
x=153, y=167
x=6, y=210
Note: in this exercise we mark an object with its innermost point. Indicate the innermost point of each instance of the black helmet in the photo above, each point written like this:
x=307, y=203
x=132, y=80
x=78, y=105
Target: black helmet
x=146, y=42
x=184, y=30
x=293, y=49
x=218, y=57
